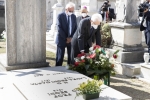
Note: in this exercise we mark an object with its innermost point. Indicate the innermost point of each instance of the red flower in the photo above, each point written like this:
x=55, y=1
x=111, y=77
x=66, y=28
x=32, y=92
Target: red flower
x=93, y=55
x=88, y=57
x=115, y=56
x=76, y=63
x=80, y=55
x=82, y=61
x=96, y=47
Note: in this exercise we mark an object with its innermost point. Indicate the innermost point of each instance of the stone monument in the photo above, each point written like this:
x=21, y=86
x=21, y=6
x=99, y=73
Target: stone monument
x=126, y=34
x=26, y=34
x=57, y=9
x=91, y=6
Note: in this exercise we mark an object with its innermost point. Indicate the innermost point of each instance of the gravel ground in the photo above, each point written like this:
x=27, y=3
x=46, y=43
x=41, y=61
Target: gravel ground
x=132, y=87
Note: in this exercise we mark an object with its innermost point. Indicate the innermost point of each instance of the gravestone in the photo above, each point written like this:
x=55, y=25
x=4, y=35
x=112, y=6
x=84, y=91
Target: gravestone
x=56, y=83
x=126, y=34
x=26, y=34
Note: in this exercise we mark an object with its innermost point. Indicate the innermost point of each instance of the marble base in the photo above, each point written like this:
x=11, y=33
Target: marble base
x=20, y=66
x=128, y=57
x=145, y=71
x=128, y=69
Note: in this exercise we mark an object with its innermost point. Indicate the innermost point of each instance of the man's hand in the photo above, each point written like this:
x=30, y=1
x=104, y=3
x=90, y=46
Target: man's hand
x=68, y=40
x=145, y=10
x=82, y=51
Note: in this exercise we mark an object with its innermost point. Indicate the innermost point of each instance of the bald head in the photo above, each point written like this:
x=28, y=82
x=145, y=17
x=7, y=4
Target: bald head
x=84, y=9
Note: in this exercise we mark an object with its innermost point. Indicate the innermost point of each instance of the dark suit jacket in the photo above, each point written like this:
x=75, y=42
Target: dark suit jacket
x=62, y=28
x=111, y=14
x=82, y=38
x=147, y=16
x=79, y=18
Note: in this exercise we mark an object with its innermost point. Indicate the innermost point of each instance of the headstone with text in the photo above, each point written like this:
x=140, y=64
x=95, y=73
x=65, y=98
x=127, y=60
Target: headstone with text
x=56, y=84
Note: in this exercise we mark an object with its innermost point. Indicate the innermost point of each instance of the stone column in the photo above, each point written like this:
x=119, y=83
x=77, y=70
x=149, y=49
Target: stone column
x=57, y=9
x=91, y=6
x=26, y=34
x=126, y=33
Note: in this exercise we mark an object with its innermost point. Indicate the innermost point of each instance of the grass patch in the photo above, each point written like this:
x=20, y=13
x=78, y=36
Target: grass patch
x=50, y=57
x=2, y=50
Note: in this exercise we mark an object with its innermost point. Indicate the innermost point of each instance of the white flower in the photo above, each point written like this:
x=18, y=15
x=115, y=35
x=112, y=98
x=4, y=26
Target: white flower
x=76, y=60
x=82, y=57
x=112, y=60
x=100, y=49
x=107, y=54
x=93, y=51
x=91, y=48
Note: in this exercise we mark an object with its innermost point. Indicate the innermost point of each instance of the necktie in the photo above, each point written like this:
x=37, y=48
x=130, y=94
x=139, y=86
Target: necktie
x=68, y=26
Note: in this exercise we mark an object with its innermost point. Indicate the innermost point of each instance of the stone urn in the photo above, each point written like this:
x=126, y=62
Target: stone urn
x=146, y=58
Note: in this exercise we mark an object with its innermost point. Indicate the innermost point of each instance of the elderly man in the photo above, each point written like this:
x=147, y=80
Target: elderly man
x=84, y=14
x=66, y=25
x=82, y=39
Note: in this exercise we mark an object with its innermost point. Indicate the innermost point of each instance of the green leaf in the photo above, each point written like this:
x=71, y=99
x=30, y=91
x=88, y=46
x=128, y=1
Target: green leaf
x=116, y=52
x=87, y=67
x=103, y=52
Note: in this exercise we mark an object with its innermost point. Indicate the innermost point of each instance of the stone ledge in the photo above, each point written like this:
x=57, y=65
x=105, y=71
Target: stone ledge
x=124, y=25
x=130, y=70
x=146, y=66
x=27, y=66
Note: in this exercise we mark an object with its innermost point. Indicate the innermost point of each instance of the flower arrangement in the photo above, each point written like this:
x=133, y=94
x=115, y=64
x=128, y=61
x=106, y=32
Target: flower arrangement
x=91, y=87
x=96, y=62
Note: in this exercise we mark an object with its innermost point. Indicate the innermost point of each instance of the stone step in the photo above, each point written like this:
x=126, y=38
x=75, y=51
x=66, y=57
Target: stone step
x=145, y=71
x=129, y=69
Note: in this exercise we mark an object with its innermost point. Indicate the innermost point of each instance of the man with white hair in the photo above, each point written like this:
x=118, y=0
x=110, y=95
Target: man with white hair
x=66, y=26
x=82, y=39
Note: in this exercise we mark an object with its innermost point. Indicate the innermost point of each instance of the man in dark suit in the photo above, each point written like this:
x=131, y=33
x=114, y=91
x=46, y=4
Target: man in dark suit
x=107, y=13
x=66, y=26
x=82, y=39
x=84, y=14
x=145, y=24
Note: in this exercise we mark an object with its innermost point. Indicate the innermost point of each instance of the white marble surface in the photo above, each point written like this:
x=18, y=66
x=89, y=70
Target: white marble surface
x=128, y=37
x=7, y=89
x=41, y=83
x=145, y=71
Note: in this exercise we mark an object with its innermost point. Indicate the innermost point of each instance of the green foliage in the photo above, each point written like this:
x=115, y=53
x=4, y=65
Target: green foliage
x=96, y=62
x=105, y=34
x=89, y=87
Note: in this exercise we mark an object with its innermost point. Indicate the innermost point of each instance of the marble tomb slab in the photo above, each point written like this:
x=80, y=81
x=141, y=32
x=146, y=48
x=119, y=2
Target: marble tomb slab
x=56, y=83
x=7, y=90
